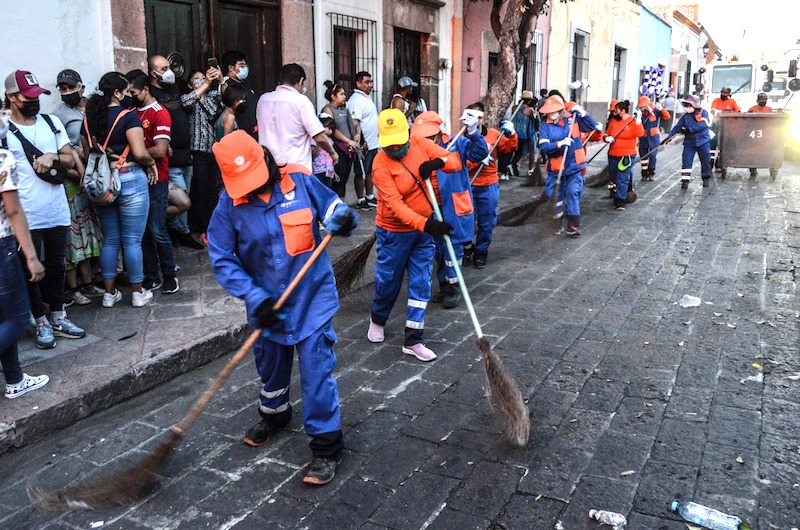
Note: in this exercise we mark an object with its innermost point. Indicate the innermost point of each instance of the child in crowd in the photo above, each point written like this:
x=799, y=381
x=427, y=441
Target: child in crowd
x=234, y=101
x=322, y=163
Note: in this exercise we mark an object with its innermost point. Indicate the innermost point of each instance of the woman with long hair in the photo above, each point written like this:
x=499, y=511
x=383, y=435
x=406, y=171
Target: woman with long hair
x=123, y=221
x=346, y=140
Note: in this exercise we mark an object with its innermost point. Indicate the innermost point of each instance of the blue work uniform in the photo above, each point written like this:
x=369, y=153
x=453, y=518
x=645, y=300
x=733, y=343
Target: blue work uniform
x=550, y=133
x=257, y=245
x=649, y=142
x=696, y=139
x=457, y=205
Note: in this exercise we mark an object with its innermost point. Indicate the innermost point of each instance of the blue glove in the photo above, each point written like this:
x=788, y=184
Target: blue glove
x=507, y=127
x=342, y=221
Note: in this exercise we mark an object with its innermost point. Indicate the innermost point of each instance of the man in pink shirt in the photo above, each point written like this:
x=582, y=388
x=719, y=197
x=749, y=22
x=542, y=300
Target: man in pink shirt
x=287, y=120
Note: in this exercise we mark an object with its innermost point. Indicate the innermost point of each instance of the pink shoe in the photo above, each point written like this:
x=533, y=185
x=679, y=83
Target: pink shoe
x=375, y=333
x=420, y=351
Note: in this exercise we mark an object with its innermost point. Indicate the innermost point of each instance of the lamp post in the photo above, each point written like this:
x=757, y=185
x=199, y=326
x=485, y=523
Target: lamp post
x=706, y=49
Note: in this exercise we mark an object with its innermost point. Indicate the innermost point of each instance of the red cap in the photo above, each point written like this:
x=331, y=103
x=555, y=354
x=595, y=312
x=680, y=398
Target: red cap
x=24, y=83
x=612, y=105
x=241, y=162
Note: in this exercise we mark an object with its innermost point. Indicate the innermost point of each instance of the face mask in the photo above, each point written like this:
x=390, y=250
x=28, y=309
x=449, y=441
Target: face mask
x=243, y=73
x=72, y=99
x=241, y=108
x=198, y=82
x=127, y=102
x=400, y=153
x=168, y=77
x=30, y=108
x=723, y=97
x=554, y=116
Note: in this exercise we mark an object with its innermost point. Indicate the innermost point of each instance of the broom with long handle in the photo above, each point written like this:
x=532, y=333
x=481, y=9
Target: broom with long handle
x=503, y=387
x=122, y=488
x=349, y=267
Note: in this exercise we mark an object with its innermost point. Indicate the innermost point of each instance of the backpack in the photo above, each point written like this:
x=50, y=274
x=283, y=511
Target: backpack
x=522, y=123
x=101, y=183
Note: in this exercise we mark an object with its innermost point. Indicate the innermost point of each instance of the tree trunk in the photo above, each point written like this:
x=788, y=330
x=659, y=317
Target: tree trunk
x=519, y=15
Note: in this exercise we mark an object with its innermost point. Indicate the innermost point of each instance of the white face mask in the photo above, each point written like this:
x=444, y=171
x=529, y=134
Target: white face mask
x=554, y=116
x=168, y=77
x=243, y=73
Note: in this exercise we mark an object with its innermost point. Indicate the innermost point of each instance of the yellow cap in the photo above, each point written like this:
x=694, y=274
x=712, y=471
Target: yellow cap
x=392, y=128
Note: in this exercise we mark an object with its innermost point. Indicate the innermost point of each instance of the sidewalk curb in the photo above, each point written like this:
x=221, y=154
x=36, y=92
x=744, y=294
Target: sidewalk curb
x=127, y=383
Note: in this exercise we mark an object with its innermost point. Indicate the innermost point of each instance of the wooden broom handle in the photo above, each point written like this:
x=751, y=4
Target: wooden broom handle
x=201, y=403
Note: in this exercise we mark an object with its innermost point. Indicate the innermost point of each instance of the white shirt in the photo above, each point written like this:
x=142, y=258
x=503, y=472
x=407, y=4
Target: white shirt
x=363, y=110
x=9, y=181
x=286, y=124
x=45, y=205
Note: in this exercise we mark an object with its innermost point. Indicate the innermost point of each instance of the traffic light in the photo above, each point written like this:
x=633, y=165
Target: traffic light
x=793, y=68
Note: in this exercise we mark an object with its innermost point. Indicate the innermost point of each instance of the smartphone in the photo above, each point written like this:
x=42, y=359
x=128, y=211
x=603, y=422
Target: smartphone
x=213, y=63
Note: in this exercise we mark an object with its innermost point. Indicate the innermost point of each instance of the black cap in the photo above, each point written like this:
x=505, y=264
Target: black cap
x=761, y=95
x=70, y=77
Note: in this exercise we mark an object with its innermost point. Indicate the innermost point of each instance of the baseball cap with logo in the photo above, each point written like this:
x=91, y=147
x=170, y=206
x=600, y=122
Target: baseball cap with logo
x=406, y=81
x=241, y=162
x=761, y=95
x=392, y=128
x=427, y=124
x=68, y=77
x=24, y=83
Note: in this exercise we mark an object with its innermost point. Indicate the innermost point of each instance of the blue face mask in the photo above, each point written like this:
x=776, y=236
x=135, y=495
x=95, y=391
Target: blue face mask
x=243, y=73
x=400, y=153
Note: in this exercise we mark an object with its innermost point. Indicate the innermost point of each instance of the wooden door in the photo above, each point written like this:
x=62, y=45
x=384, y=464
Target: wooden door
x=253, y=28
x=188, y=32
x=177, y=29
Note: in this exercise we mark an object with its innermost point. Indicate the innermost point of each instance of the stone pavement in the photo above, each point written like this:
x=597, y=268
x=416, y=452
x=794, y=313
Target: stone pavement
x=635, y=400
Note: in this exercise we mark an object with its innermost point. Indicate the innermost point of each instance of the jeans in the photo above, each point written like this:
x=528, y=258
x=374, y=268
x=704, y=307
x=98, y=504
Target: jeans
x=51, y=247
x=14, y=308
x=181, y=177
x=156, y=245
x=123, y=223
x=205, y=189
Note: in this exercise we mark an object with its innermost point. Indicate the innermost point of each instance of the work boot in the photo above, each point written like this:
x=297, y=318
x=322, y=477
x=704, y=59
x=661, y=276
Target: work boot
x=321, y=470
x=684, y=184
x=437, y=298
x=260, y=434
x=452, y=297
x=479, y=262
x=467, y=259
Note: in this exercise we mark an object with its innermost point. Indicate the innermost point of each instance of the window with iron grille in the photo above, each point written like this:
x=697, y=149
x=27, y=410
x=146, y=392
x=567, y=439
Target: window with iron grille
x=354, y=47
x=580, y=62
x=407, y=49
x=532, y=69
x=616, y=82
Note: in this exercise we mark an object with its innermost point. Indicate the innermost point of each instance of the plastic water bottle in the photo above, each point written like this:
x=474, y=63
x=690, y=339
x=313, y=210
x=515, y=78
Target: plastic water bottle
x=616, y=520
x=708, y=517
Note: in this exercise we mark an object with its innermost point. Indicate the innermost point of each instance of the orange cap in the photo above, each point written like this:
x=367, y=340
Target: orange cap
x=612, y=105
x=644, y=101
x=569, y=104
x=552, y=104
x=241, y=161
x=427, y=124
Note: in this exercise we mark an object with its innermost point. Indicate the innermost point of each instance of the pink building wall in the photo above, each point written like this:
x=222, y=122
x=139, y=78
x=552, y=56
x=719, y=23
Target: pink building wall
x=476, y=21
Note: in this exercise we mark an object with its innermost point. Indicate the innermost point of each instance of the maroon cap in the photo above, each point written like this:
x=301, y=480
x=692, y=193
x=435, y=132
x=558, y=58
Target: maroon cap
x=25, y=83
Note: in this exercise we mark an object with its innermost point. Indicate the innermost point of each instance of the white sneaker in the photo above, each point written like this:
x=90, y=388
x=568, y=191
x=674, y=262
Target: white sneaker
x=79, y=298
x=28, y=383
x=375, y=333
x=110, y=299
x=143, y=298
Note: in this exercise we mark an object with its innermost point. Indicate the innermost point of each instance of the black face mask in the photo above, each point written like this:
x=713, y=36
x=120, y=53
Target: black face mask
x=72, y=99
x=127, y=102
x=242, y=108
x=30, y=108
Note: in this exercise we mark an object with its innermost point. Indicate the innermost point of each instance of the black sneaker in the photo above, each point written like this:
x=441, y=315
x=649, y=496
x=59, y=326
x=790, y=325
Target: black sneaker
x=373, y=202
x=573, y=231
x=151, y=285
x=362, y=204
x=171, y=285
x=260, y=434
x=705, y=182
x=479, y=263
x=321, y=470
x=684, y=184
x=187, y=240
x=467, y=259
x=437, y=297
